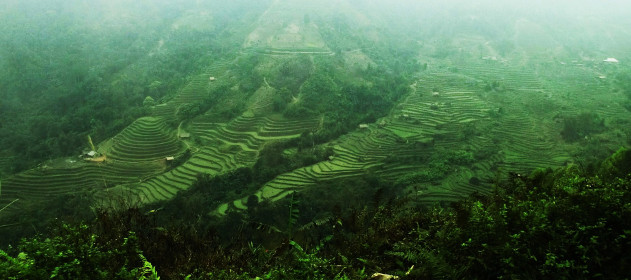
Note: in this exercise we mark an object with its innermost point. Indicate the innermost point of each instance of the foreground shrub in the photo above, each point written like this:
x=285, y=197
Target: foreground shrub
x=75, y=252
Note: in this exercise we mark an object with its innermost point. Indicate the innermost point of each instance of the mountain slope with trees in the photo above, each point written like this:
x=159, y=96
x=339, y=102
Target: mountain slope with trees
x=293, y=135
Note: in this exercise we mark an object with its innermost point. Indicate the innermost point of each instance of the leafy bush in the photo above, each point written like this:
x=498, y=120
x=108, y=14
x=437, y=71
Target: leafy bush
x=149, y=101
x=75, y=252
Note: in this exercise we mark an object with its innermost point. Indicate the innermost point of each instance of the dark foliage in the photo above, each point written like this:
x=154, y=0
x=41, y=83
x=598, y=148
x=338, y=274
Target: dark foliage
x=581, y=126
x=77, y=252
x=624, y=82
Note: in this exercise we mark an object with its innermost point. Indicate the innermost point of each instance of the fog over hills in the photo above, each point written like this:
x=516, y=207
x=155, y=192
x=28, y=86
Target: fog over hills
x=218, y=109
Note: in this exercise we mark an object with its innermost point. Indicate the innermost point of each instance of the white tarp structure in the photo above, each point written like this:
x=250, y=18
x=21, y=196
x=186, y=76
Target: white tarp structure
x=611, y=60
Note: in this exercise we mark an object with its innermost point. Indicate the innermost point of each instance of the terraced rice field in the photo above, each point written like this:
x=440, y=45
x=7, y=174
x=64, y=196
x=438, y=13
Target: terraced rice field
x=195, y=90
x=510, y=129
x=45, y=183
x=134, y=169
x=147, y=139
x=227, y=146
x=514, y=131
x=420, y=123
x=281, y=30
x=134, y=156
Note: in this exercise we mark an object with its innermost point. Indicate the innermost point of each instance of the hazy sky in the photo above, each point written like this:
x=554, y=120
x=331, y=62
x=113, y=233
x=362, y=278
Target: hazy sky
x=571, y=18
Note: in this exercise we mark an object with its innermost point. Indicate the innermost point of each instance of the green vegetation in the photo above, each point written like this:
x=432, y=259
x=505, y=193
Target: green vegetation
x=624, y=82
x=208, y=190
x=85, y=78
x=344, y=104
x=438, y=167
x=313, y=140
x=76, y=252
x=303, y=72
x=553, y=224
x=581, y=126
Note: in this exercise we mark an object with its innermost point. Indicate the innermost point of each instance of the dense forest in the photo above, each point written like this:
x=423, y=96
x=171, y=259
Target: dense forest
x=337, y=139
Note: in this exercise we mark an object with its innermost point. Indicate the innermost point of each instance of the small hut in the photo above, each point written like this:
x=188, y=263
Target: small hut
x=212, y=79
x=363, y=126
x=93, y=156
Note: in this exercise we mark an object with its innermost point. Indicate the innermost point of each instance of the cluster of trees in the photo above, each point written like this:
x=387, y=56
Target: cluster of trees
x=330, y=92
x=436, y=167
x=582, y=125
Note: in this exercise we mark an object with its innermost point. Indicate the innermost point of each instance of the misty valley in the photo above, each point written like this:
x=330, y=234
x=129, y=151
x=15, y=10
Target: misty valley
x=333, y=139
